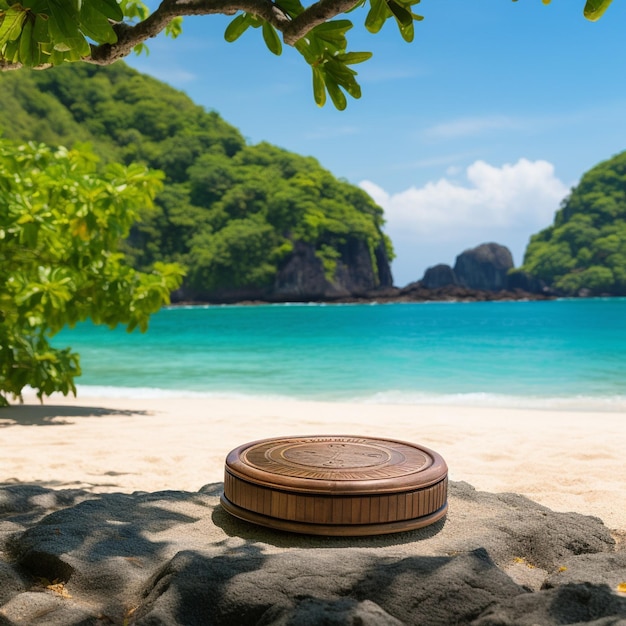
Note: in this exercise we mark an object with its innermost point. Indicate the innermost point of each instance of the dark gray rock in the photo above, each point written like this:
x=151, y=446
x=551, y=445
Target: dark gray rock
x=385, y=278
x=439, y=276
x=342, y=612
x=173, y=558
x=11, y=582
x=524, y=281
x=302, y=275
x=597, y=569
x=44, y=607
x=202, y=589
x=484, y=267
x=569, y=604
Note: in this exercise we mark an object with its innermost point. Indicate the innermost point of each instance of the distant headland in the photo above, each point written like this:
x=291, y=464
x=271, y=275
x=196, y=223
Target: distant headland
x=256, y=223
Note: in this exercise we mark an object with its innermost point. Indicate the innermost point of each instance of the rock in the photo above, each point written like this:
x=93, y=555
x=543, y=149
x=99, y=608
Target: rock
x=570, y=604
x=439, y=276
x=484, y=267
x=173, y=558
x=524, y=281
x=12, y=582
x=598, y=569
x=302, y=277
x=342, y=612
x=241, y=589
x=385, y=278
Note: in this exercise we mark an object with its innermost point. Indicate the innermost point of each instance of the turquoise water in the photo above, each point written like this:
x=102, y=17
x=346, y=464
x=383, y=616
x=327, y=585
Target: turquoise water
x=569, y=353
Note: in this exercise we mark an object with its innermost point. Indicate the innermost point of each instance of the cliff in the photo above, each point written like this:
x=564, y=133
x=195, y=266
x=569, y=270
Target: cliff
x=247, y=221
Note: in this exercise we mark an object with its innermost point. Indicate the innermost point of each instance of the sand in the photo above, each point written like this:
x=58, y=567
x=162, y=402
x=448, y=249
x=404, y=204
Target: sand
x=566, y=460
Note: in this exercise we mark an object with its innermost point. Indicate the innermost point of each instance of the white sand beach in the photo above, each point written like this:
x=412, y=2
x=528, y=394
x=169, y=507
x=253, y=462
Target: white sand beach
x=566, y=460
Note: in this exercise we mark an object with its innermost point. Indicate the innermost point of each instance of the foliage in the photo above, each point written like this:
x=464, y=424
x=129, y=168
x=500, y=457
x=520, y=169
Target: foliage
x=585, y=248
x=235, y=220
x=42, y=33
x=215, y=185
x=61, y=220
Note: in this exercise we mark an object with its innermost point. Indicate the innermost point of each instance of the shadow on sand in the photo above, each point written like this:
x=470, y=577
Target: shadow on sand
x=52, y=415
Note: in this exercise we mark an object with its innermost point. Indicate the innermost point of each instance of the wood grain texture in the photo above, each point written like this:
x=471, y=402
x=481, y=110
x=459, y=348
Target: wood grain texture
x=336, y=485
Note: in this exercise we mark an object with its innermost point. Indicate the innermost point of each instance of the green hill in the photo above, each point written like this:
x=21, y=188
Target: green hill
x=247, y=221
x=584, y=251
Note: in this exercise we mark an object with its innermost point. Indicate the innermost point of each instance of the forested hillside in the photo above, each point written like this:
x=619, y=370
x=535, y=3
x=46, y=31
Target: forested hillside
x=584, y=251
x=246, y=221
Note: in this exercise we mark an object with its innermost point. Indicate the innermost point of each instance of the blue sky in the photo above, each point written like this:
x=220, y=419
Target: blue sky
x=474, y=132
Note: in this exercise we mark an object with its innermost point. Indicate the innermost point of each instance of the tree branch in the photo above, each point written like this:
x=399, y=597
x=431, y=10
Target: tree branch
x=130, y=36
x=313, y=16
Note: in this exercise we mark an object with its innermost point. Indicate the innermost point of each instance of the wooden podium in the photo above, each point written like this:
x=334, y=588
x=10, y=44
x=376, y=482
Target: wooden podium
x=336, y=485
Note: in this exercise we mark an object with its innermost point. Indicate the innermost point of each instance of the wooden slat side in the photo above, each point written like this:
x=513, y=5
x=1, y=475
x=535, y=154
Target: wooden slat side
x=346, y=510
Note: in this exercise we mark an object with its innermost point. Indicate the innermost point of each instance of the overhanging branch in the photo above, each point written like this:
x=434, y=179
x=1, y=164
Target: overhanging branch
x=313, y=16
x=131, y=36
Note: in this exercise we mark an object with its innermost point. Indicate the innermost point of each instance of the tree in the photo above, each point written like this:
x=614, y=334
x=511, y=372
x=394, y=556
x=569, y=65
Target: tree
x=585, y=248
x=61, y=220
x=42, y=33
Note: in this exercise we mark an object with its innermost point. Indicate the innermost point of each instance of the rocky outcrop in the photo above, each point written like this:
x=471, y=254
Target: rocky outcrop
x=484, y=267
x=517, y=279
x=177, y=558
x=480, y=274
x=302, y=276
x=439, y=276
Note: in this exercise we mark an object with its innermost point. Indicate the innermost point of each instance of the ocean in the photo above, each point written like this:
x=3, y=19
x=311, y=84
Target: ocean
x=568, y=354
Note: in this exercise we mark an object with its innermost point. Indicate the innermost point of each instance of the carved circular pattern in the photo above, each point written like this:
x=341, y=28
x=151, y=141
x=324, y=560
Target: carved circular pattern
x=335, y=458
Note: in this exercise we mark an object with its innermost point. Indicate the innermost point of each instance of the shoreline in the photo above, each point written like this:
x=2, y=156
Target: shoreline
x=565, y=460
x=410, y=294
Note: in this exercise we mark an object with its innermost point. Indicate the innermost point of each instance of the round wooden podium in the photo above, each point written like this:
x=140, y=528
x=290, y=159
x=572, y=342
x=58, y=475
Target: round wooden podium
x=336, y=485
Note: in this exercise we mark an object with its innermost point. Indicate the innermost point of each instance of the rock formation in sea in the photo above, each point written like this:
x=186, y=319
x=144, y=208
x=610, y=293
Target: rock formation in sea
x=484, y=267
x=177, y=558
x=478, y=274
x=441, y=275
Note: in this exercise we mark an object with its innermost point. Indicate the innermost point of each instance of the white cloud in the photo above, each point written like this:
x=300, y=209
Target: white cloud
x=434, y=223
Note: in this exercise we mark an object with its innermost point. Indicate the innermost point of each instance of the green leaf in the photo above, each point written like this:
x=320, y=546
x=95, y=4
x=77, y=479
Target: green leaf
x=594, y=9
x=341, y=26
x=237, y=27
x=12, y=51
x=63, y=22
x=174, y=28
x=407, y=32
x=335, y=93
x=141, y=48
x=271, y=39
x=351, y=58
x=64, y=30
x=319, y=90
x=11, y=26
x=109, y=8
x=95, y=24
x=29, y=48
x=40, y=29
x=377, y=15
x=403, y=16
x=291, y=7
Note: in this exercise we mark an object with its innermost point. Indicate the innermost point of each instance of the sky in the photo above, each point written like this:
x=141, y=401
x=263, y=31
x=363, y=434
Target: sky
x=475, y=132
